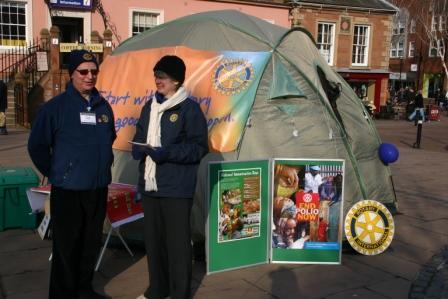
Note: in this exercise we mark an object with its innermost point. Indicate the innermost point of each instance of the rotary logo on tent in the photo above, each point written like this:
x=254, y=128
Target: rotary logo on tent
x=369, y=227
x=232, y=76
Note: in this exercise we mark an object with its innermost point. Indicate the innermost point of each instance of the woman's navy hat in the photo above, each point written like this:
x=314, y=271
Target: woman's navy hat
x=173, y=66
x=79, y=56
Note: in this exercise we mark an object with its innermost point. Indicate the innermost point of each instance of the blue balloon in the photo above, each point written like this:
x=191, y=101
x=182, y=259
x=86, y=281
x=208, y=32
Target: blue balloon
x=388, y=153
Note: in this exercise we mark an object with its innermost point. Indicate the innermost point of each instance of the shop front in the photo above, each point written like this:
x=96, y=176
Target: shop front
x=370, y=86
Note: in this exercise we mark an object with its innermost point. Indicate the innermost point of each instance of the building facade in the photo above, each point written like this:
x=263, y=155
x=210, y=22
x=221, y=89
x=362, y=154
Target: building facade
x=418, y=55
x=353, y=36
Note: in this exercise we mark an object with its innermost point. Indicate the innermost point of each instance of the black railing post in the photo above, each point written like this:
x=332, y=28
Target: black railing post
x=419, y=123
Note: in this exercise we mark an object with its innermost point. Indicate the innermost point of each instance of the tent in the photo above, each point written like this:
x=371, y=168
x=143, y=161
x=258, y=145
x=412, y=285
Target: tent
x=295, y=105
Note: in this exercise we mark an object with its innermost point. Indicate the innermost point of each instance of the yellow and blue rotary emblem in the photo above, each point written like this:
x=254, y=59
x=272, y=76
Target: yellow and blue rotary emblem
x=174, y=117
x=104, y=118
x=233, y=76
x=369, y=227
x=87, y=56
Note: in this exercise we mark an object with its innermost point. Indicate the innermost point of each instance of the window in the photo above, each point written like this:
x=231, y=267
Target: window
x=442, y=23
x=325, y=41
x=434, y=23
x=411, y=52
x=397, y=49
x=441, y=48
x=398, y=28
x=143, y=20
x=436, y=48
x=412, y=26
x=12, y=24
x=360, y=45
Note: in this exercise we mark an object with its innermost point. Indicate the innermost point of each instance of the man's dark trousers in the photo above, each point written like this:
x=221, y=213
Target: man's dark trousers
x=77, y=222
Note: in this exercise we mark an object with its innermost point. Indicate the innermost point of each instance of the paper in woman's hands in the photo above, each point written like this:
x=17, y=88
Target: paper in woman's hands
x=140, y=144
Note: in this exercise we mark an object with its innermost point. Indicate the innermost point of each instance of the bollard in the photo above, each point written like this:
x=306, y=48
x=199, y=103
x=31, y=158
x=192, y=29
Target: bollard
x=419, y=123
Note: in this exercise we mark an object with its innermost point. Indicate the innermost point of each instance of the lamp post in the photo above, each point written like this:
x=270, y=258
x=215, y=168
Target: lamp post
x=401, y=81
x=419, y=64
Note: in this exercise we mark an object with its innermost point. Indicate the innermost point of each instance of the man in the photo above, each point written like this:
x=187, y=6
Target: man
x=419, y=107
x=3, y=106
x=71, y=144
x=313, y=180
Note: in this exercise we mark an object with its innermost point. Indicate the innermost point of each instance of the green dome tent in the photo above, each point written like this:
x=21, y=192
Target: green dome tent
x=301, y=108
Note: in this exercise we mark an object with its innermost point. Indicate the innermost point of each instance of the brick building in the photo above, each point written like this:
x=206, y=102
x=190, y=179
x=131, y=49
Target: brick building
x=355, y=38
x=353, y=35
x=418, y=46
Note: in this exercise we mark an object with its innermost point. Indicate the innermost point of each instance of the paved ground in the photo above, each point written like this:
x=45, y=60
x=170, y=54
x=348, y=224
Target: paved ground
x=414, y=266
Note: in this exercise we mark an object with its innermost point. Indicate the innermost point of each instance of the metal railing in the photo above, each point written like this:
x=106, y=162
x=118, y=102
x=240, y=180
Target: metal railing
x=20, y=105
x=22, y=59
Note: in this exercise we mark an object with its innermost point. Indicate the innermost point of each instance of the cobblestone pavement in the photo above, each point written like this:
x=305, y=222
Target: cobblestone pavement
x=432, y=280
x=414, y=266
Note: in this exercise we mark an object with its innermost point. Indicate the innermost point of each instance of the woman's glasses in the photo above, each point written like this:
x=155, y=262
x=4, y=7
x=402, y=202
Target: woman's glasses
x=84, y=72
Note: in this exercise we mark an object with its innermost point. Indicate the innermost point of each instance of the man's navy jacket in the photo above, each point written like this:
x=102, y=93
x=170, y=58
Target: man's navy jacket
x=74, y=156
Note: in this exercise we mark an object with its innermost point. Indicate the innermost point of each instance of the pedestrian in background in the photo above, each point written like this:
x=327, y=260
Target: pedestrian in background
x=3, y=107
x=419, y=107
x=175, y=130
x=71, y=144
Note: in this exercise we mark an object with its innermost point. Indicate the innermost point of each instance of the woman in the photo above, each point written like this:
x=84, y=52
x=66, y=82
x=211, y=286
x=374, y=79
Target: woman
x=175, y=130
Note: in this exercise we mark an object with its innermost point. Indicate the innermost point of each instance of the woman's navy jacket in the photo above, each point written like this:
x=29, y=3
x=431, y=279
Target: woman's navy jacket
x=184, y=135
x=72, y=155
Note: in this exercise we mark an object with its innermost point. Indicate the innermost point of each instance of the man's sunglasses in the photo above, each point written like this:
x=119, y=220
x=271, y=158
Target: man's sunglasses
x=94, y=72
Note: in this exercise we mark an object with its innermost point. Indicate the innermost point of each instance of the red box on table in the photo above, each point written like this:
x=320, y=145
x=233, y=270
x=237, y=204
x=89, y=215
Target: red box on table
x=120, y=202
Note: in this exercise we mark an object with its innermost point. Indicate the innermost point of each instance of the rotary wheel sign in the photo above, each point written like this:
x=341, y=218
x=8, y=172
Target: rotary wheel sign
x=369, y=227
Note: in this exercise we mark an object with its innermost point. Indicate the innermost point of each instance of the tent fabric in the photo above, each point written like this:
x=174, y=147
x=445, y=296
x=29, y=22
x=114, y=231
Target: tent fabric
x=215, y=31
x=291, y=116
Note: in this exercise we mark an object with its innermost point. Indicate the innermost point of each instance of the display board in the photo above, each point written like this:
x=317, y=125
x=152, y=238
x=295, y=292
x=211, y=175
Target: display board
x=298, y=220
x=238, y=220
x=307, y=205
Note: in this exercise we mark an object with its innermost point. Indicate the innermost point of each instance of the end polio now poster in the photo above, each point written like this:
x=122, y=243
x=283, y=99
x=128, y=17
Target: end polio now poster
x=274, y=211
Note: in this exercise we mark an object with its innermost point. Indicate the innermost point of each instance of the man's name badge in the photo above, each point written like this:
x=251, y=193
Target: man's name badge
x=88, y=118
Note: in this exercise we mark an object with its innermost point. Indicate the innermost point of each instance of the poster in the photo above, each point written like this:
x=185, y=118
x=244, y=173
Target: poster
x=239, y=206
x=237, y=229
x=307, y=211
x=223, y=83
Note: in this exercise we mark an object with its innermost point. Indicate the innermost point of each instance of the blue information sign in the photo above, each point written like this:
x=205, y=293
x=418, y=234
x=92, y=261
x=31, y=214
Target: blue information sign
x=79, y=4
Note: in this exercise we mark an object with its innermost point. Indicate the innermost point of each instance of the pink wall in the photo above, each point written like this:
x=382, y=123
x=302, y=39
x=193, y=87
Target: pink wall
x=172, y=9
x=39, y=17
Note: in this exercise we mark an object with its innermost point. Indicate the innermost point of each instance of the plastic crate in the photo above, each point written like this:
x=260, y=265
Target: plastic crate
x=14, y=206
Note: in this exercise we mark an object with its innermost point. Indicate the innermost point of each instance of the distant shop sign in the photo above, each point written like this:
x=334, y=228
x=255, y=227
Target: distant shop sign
x=414, y=67
x=68, y=47
x=78, y=4
x=396, y=76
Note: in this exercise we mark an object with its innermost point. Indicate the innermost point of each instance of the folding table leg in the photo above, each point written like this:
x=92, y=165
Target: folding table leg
x=124, y=243
x=103, y=249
